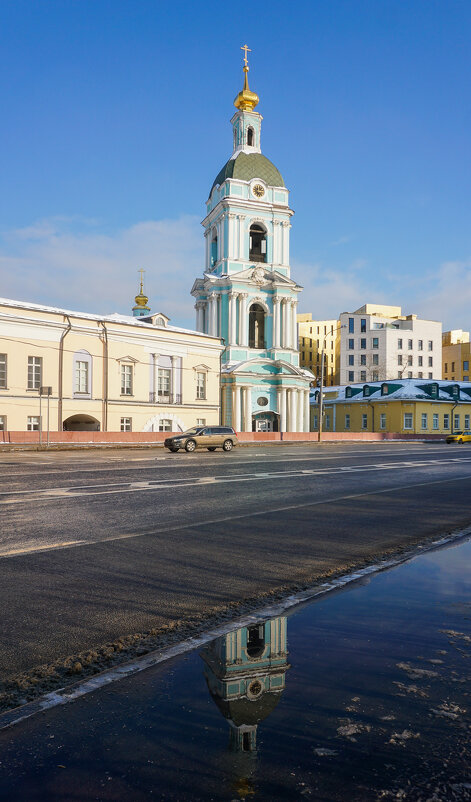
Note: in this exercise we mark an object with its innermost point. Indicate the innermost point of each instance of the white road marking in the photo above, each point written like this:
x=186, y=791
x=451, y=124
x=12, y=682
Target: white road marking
x=254, y=514
x=112, y=488
x=209, y=461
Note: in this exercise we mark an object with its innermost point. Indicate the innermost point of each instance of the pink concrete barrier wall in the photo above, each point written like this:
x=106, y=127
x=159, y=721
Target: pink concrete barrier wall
x=136, y=438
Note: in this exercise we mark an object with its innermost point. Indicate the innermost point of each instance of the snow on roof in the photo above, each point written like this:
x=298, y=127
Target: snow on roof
x=407, y=389
x=113, y=317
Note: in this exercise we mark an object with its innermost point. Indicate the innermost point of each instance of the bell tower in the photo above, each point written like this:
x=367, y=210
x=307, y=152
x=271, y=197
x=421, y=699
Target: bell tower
x=246, y=295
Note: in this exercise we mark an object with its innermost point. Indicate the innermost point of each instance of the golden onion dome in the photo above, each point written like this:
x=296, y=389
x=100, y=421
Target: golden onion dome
x=246, y=100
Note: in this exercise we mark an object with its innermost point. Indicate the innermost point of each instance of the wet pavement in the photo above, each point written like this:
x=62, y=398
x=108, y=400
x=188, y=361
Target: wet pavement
x=363, y=694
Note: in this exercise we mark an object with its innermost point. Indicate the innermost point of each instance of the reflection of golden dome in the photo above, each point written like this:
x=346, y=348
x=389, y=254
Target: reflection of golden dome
x=246, y=100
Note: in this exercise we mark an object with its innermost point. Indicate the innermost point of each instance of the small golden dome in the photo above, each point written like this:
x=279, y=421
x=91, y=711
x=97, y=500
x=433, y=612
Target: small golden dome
x=246, y=100
x=141, y=299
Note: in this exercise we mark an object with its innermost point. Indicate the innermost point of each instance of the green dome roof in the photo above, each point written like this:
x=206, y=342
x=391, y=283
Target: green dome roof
x=247, y=166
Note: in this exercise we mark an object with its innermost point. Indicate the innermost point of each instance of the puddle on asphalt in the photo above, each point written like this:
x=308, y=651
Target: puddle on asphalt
x=362, y=695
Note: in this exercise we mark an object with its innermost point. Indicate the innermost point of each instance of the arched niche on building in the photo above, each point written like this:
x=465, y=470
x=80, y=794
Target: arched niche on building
x=81, y=423
x=256, y=326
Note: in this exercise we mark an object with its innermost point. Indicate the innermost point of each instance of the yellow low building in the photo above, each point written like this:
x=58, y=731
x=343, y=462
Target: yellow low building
x=80, y=371
x=315, y=336
x=456, y=355
x=407, y=406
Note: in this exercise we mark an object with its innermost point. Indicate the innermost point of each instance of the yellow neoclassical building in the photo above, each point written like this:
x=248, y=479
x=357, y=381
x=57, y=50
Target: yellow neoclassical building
x=104, y=373
x=404, y=406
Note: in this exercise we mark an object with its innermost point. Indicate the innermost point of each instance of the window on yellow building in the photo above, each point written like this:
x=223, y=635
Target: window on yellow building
x=126, y=379
x=446, y=421
x=435, y=424
x=3, y=423
x=466, y=364
x=456, y=422
x=382, y=420
x=33, y=423
x=347, y=420
x=364, y=421
x=35, y=369
x=407, y=420
x=466, y=422
x=126, y=424
x=424, y=420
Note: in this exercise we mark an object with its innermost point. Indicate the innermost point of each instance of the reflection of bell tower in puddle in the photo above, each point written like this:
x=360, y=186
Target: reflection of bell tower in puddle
x=245, y=671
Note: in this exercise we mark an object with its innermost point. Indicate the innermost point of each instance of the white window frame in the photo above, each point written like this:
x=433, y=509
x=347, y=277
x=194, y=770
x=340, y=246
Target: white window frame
x=456, y=422
x=82, y=378
x=3, y=423
x=164, y=382
x=446, y=420
x=127, y=378
x=201, y=385
x=424, y=420
x=35, y=372
x=347, y=420
x=364, y=421
x=126, y=425
x=165, y=424
x=33, y=423
x=201, y=421
x=408, y=418
x=382, y=420
x=466, y=423
x=3, y=372
x=435, y=421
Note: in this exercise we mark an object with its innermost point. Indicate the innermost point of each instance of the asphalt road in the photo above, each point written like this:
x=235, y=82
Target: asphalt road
x=100, y=544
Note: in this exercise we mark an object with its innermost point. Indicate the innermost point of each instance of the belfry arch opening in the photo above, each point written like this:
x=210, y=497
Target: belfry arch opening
x=257, y=244
x=256, y=640
x=214, y=249
x=256, y=326
x=250, y=137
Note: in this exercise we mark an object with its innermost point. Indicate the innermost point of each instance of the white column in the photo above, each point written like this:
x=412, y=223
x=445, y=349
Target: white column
x=276, y=228
x=300, y=410
x=213, y=314
x=207, y=251
x=231, y=243
x=155, y=374
x=232, y=318
x=236, y=407
x=247, y=409
x=287, y=328
x=283, y=322
x=282, y=408
x=197, y=307
x=307, y=416
x=244, y=327
x=292, y=427
x=294, y=323
x=222, y=248
x=241, y=236
x=285, y=243
x=173, y=379
x=276, y=321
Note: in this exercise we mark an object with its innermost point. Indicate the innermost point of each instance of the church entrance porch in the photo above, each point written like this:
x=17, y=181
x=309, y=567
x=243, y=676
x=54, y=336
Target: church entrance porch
x=265, y=422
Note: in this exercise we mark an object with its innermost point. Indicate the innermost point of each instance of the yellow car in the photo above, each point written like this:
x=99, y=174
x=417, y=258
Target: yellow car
x=459, y=437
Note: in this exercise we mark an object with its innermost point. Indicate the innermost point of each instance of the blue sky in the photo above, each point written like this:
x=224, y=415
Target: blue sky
x=115, y=120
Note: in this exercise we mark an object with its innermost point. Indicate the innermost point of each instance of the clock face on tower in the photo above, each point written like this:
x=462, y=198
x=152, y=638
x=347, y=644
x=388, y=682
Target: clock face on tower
x=258, y=191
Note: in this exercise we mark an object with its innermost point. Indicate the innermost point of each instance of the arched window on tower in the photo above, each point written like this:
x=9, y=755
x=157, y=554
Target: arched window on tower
x=214, y=249
x=250, y=137
x=258, y=244
x=256, y=326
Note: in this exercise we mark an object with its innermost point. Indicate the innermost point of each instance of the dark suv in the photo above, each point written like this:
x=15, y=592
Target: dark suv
x=210, y=437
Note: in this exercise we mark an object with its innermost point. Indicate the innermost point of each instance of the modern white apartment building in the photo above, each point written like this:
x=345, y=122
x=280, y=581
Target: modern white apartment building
x=378, y=343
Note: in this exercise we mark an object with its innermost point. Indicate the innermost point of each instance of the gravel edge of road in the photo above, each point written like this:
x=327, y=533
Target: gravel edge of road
x=26, y=693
